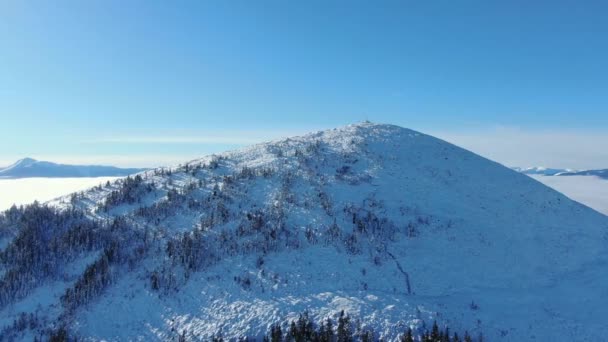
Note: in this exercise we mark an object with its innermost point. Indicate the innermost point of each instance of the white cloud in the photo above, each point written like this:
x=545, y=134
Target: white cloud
x=518, y=147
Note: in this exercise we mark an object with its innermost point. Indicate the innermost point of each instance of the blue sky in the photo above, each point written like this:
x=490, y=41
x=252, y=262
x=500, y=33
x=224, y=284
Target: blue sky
x=151, y=82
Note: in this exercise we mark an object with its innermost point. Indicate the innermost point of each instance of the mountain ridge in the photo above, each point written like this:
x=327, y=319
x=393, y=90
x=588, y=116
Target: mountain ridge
x=393, y=226
x=544, y=171
x=29, y=167
x=601, y=173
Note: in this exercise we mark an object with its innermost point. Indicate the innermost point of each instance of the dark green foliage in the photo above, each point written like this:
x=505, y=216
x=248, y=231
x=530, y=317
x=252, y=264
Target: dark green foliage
x=344, y=333
x=435, y=336
x=60, y=335
x=367, y=336
x=276, y=334
x=408, y=336
x=304, y=330
x=45, y=239
x=93, y=281
x=328, y=334
x=131, y=190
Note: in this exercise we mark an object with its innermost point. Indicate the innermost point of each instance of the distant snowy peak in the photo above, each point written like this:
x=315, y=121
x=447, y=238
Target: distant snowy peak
x=544, y=171
x=603, y=173
x=540, y=170
x=29, y=167
x=25, y=162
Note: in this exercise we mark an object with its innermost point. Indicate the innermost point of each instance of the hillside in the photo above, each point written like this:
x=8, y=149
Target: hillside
x=394, y=227
x=28, y=168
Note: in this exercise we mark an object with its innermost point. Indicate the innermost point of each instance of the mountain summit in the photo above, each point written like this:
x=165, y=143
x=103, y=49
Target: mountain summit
x=394, y=227
x=28, y=167
x=25, y=162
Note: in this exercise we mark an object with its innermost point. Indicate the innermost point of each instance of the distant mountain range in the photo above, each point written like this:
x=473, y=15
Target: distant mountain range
x=28, y=167
x=602, y=173
x=598, y=173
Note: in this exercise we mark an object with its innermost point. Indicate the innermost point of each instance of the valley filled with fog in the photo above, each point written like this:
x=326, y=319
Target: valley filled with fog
x=28, y=190
x=589, y=190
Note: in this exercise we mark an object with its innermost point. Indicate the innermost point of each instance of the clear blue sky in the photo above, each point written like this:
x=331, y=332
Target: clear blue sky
x=130, y=82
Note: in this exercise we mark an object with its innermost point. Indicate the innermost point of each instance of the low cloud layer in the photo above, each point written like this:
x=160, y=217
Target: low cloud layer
x=28, y=190
x=589, y=190
x=517, y=147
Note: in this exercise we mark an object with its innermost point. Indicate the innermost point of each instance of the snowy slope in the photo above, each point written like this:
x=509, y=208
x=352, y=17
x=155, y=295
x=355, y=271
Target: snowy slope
x=393, y=226
x=28, y=167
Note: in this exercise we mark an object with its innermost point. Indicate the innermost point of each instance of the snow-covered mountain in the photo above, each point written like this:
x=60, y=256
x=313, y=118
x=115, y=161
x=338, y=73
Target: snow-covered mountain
x=28, y=167
x=543, y=171
x=540, y=170
x=602, y=173
x=394, y=227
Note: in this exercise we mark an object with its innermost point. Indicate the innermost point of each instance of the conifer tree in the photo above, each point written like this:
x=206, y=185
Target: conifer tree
x=408, y=337
x=435, y=336
x=293, y=331
x=344, y=329
x=276, y=335
x=329, y=332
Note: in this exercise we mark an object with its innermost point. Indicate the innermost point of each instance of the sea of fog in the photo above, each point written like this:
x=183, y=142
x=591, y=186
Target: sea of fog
x=28, y=190
x=589, y=190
